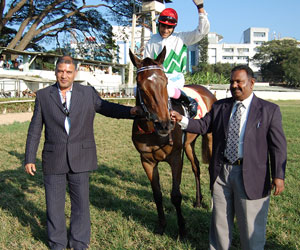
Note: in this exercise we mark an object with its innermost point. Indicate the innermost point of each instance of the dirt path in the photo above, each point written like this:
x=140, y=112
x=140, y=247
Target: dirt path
x=14, y=117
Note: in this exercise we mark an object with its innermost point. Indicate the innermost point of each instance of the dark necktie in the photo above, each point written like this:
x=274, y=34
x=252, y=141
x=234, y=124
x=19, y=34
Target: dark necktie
x=232, y=145
x=65, y=108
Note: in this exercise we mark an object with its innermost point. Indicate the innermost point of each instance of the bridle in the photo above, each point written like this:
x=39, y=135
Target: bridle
x=149, y=115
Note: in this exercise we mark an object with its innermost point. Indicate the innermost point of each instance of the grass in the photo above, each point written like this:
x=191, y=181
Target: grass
x=19, y=107
x=123, y=213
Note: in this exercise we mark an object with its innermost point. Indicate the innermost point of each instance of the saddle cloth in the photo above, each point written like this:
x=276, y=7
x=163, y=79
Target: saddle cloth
x=202, y=109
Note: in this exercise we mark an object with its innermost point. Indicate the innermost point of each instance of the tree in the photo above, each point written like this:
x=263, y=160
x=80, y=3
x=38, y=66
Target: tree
x=279, y=61
x=291, y=67
x=218, y=71
x=38, y=20
x=6, y=36
x=203, y=50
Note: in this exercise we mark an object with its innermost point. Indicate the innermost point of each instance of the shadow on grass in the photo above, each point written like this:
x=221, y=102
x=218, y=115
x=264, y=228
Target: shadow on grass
x=14, y=184
x=197, y=220
x=272, y=244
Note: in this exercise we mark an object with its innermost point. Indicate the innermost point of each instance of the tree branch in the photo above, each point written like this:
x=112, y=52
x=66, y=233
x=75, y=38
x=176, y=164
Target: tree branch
x=48, y=34
x=10, y=12
x=67, y=15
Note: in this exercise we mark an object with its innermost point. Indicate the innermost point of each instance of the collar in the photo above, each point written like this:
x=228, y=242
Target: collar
x=246, y=102
x=70, y=90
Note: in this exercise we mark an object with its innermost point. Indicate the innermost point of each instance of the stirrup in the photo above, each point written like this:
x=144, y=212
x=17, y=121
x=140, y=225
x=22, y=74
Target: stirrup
x=189, y=104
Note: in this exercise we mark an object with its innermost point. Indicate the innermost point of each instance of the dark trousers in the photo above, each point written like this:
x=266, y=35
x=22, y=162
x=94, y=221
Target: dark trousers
x=80, y=226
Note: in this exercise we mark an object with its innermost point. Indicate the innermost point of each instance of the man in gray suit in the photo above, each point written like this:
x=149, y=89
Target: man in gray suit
x=67, y=111
x=241, y=169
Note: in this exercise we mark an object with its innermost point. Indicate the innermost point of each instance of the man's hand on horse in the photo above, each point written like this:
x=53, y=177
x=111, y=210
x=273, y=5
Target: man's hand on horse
x=175, y=116
x=30, y=168
x=137, y=111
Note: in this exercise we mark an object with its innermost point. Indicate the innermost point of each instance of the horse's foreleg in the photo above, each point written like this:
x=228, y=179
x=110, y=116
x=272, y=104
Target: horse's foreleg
x=191, y=155
x=151, y=170
x=176, y=197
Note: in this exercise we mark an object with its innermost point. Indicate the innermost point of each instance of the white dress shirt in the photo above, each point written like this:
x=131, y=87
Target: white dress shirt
x=245, y=112
x=68, y=104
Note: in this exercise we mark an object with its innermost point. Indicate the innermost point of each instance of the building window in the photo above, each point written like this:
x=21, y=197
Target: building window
x=193, y=58
x=228, y=57
x=241, y=50
x=258, y=42
x=242, y=58
x=228, y=49
x=259, y=34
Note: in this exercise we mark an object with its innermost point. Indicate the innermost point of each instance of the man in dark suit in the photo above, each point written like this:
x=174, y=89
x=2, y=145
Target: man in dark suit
x=241, y=172
x=67, y=111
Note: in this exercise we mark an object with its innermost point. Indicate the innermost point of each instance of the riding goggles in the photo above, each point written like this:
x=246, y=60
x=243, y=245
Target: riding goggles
x=167, y=20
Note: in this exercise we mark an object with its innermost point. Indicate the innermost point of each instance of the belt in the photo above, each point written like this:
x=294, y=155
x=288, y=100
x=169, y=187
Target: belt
x=237, y=162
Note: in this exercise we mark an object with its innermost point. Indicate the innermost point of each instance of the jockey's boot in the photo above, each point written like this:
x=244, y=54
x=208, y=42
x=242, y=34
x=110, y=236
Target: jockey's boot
x=190, y=103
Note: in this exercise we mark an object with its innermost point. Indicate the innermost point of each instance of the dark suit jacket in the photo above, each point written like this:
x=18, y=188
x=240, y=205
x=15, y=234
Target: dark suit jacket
x=264, y=143
x=78, y=149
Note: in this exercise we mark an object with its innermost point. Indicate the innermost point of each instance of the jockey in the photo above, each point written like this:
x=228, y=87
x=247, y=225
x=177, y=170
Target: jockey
x=176, y=45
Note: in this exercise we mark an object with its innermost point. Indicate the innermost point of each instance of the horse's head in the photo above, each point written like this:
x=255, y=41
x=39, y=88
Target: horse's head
x=152, y=92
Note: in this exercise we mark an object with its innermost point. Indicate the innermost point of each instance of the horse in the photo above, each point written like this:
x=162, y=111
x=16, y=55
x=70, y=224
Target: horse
x=158, y=139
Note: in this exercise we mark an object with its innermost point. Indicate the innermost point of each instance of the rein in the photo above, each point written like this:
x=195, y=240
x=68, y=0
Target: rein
x=149, y=115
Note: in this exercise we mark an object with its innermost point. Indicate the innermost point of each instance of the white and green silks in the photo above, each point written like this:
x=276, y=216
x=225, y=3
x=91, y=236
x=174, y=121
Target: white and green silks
x=176, y=45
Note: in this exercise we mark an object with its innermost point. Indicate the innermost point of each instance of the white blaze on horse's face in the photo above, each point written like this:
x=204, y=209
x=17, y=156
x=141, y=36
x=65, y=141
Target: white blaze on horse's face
x=152, y=78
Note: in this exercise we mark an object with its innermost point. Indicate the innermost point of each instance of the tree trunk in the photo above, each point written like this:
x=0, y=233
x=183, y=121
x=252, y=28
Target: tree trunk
x=27, y=38
x=18, y=36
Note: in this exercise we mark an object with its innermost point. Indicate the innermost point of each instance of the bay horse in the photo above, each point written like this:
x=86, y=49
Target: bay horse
x=158, y=139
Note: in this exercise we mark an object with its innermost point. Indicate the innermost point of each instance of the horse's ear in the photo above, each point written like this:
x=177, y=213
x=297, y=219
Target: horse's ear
x=161, y=57
x=136, y=61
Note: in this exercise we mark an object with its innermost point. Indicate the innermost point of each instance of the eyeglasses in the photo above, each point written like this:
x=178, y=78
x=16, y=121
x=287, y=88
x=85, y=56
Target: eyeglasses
x=168, y=19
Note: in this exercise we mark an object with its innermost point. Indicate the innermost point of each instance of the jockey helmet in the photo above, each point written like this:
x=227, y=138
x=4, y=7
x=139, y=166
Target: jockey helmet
x=169, y=17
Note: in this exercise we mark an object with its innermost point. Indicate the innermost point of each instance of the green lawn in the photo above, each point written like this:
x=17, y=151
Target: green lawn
x=123, y=213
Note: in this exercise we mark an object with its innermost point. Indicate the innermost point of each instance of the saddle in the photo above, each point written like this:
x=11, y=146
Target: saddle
x=201, y=108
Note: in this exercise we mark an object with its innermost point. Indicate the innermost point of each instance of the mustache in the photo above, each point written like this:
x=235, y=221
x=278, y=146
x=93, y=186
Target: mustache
x=235, y=89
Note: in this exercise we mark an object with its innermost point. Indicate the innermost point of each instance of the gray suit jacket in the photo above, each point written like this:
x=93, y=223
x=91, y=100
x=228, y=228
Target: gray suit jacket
x=264, y=143
x=78, y=149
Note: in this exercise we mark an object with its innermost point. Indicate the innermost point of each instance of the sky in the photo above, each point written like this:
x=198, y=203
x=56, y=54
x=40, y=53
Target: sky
x=230, y=18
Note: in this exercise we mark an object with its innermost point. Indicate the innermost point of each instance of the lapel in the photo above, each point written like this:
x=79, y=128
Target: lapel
x=226, y=111
x=76, y=97
x=254, y=118
x=55, y=96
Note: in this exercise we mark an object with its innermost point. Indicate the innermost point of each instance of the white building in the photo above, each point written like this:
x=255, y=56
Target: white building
x=122, y=36
x=239, y=53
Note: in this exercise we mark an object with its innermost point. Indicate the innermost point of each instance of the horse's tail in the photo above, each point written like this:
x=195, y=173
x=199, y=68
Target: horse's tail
x=206, y=148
